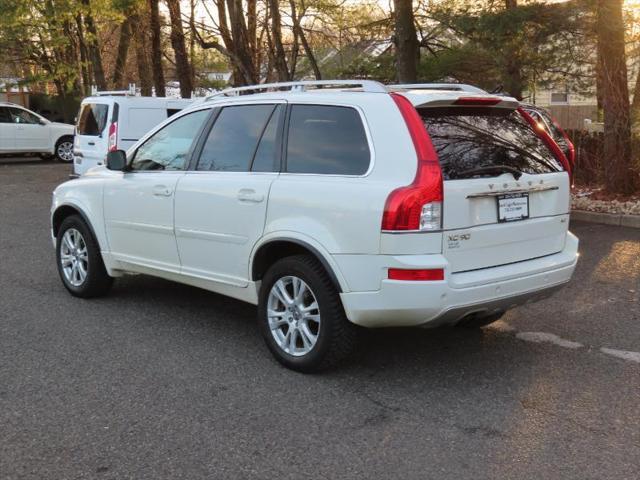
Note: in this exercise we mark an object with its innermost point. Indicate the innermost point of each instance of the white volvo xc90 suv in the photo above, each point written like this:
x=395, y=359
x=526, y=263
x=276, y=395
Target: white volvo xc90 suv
x=354, y=204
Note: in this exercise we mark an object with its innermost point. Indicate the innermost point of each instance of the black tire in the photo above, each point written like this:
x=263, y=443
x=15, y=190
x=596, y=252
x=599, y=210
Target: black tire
x=479, y=321
x=67, y=139
x=336, y=336
x=97, y=282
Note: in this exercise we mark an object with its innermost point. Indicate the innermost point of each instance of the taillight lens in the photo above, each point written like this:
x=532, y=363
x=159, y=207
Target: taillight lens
x=417, y=206
x=432, y=274
x=113, y=137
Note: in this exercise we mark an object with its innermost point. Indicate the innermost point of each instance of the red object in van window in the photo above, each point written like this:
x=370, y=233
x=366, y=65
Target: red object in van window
x=546, y=138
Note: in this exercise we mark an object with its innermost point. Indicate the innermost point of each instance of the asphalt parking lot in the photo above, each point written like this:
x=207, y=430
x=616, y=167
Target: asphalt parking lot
x=164, y=381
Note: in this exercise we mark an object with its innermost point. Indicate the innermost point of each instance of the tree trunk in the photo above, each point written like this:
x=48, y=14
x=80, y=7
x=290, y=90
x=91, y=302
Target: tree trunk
x=303, y=40
x=145, y=75
x=93, y=48
x=123, y=52
x=156, y=48
x=183, y=69
x=635, y=106
x=280, y=58
x=82, y=46
x=406, y=42
x=615, y=98
x=512, y=77
x=240, y=46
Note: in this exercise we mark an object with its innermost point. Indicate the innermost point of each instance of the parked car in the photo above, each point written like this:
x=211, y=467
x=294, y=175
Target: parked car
x=116, y=120
x=23, y=131
x=350, y=205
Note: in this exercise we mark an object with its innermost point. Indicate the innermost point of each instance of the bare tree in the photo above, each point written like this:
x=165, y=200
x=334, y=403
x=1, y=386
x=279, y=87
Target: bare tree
x=615, y=97
x=156, y=48
x=406, y=41
x=93, y=47
x=183, y=68
x=123, y=52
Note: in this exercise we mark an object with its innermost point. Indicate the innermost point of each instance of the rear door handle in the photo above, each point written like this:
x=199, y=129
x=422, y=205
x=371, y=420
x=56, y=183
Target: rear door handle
x=92, y=143
x=250, y=195
x=162, y=191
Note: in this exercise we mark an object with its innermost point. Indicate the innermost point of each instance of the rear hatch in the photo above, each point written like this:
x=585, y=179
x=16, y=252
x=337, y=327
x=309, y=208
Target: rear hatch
x=90, y=147
x=506, y=196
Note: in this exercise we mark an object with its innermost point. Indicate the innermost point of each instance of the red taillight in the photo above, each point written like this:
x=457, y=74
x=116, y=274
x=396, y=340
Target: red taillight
x=404, y=207
x=431, y=275
x=479, y=101
x=546, y=138
x=112, y=145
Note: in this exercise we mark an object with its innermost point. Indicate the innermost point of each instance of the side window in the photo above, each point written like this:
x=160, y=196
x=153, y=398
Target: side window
x=267, y=157
x=234, y=137
x=4, y=115
x=92, y=119
x=167, y=149
x=22, y=116
x=327, y=139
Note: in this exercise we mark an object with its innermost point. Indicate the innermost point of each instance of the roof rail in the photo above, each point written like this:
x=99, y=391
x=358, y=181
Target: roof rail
x=367, y=85
x=130, y=92
x=461, y=87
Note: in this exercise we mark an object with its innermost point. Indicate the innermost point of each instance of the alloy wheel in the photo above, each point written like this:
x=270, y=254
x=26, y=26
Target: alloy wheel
x=74, y=257
x=293, y=315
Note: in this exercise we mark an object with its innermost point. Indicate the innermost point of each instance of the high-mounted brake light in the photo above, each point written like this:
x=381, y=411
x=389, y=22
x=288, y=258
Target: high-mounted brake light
x=417, y=206
x=112, y=143
x=432, y=274
x=546, y=138
x=478, y=101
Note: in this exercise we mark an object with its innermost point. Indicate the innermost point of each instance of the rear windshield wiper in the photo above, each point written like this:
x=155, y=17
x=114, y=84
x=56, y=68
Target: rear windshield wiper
x=490, y=169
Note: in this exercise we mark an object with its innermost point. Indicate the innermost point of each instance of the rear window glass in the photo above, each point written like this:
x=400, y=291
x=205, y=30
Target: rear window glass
x=471, y=141
x=327, y=139
x=92, y=119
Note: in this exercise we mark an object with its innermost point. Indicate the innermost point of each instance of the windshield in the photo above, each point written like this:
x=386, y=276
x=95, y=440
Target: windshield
x=471, y=141
x=92, y=119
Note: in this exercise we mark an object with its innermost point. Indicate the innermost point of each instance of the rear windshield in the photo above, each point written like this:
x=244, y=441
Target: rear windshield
x=92, y=119
x=483, y=141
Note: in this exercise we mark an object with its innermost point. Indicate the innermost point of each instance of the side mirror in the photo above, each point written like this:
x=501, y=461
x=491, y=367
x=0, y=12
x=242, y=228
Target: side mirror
x=117, y=160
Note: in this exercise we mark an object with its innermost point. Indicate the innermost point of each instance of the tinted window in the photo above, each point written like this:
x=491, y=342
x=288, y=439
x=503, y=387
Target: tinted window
x=4, y=115
x=472, y=138
x=167, y=149
x=232, y=141
x=267, y=157
x=326, y=139
x=92, y=119
x=22, y=116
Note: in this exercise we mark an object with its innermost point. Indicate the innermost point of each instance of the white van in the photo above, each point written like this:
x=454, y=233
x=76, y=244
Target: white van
x=115, y=121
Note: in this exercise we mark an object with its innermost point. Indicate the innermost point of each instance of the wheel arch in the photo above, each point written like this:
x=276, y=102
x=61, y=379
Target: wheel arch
x=274, y=249
x=65, y=211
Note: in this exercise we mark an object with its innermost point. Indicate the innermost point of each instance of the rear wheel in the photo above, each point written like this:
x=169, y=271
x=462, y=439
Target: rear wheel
x=64, y=149
x=79, y=260
x=301, y=316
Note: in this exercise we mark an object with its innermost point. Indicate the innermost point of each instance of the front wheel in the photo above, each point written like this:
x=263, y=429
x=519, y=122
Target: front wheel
x=301, y=316
x=64, y=149
x=79, y=260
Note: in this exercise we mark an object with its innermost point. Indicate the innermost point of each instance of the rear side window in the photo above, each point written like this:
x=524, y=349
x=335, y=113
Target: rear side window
x=468, y=139
x=92, y=119
x=327, y=140
x=232, y=142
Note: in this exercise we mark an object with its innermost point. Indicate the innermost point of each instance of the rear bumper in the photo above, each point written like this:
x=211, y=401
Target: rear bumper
x=485, y=291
